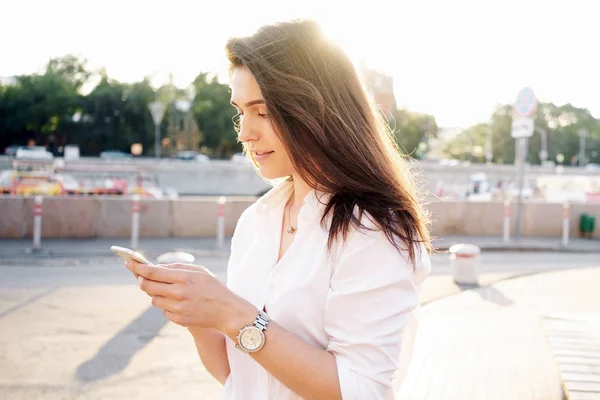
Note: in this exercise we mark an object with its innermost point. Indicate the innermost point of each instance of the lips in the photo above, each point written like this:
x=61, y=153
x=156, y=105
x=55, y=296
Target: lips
x=260, y=156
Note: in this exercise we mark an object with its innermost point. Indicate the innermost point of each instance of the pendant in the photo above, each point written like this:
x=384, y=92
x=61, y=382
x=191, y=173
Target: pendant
x=291, y=230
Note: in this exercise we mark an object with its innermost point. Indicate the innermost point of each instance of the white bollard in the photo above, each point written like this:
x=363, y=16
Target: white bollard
x=506, y=222
x=464, y=263
x=135, y=221
x=221, y=222
x=37, y=223
x=566, y=217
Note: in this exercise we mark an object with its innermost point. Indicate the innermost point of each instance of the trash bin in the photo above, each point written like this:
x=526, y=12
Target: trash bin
x=175, y=257
x=464, y=263
x=587, y=225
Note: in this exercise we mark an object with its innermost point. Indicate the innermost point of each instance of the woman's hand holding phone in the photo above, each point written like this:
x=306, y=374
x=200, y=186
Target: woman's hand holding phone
x=192, y=296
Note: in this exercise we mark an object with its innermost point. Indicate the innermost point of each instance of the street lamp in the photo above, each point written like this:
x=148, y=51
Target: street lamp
x=544, y=150
x=583, y=134
x=488, y=146
x=157, y=109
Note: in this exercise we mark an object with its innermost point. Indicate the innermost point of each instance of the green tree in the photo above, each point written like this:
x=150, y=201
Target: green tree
x=213, y=112
x=39, y=107
x=137, y=97
x=564, y=123
x=411, y=129
x=561, y=124
x=104, y=123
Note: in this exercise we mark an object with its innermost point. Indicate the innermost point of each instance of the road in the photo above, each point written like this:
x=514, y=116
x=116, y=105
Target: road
x=224, y=177
x=81, y=329
x=52, y=273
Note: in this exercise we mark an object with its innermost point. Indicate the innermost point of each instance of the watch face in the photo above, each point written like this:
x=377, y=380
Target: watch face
x=251, y=338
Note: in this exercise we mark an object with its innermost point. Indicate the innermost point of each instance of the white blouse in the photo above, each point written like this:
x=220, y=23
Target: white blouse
x=354, y=302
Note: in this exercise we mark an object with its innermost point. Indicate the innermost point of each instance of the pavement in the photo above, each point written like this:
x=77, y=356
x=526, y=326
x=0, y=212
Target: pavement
x=489, y=342
x=100, y=247
x=89, y=333
x=202, y=246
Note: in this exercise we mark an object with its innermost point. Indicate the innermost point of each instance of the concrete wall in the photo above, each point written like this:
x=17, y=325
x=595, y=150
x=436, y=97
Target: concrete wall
x=88, y=217
x=486, y=219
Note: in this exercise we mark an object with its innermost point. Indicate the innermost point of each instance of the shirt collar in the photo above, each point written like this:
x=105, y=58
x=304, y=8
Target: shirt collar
x=278, y=196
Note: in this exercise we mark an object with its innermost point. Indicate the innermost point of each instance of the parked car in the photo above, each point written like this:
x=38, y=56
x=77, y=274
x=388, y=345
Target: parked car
x=27, y=185
x=71, y=152
x=11, y=150
x=69, y=183
x=189, y=155
x=33, y=153
x=592, y=167
x=114, y=155
x=6, y=182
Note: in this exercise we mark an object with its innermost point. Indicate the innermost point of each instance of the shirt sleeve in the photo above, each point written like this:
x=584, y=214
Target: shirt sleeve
x=237, y=240
x=372, y=294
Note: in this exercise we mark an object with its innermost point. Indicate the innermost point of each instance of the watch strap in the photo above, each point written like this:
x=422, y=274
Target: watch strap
x=262, y=320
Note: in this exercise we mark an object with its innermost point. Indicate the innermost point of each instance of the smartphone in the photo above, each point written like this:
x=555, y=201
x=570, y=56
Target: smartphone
x=128, y=254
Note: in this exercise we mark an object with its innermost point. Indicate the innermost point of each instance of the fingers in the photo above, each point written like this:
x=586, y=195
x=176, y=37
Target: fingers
x=164, y=304
x=176, y=318
x=167, y=290
x=158, y=273
x=188, y=267
x=171, y=309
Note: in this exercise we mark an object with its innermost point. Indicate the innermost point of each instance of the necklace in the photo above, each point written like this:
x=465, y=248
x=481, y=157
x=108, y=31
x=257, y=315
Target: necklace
x=291, y=230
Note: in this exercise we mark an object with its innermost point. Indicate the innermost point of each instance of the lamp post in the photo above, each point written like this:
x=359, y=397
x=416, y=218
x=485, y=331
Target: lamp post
x=544, y=150
x=157, y=109
x=583, y=134
x=489, y=154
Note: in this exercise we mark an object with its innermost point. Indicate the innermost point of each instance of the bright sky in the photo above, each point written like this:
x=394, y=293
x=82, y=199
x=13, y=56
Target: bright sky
x=455, y=59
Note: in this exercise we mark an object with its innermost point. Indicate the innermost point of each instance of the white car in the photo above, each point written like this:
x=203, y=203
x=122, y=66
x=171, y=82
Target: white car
x=592, y=167
x=189, y=155
x=33, y=153
x=71, y=152
x=68, y=182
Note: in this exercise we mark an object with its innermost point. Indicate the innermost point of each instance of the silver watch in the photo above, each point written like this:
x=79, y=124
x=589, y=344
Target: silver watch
x=251, y=338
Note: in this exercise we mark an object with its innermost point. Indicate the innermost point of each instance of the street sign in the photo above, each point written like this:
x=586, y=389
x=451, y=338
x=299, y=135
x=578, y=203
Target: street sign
x=582, y=133
x=522, y=130
x=521, y=127
x=526, y=102
x=157, y=109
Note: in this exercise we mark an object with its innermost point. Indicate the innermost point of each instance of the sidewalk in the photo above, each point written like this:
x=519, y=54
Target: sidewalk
x=495, y=243
x=152, y=247
x=489, y=343
x=477, y=343
x=15, y=248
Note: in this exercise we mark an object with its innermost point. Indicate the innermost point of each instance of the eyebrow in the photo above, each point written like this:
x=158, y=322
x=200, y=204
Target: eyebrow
x=250, y=103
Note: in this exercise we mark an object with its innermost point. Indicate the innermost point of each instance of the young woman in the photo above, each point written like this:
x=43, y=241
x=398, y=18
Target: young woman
x=325, y=269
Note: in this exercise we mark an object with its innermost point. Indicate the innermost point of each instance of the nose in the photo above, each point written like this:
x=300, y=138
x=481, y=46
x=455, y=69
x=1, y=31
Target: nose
x=246, y=131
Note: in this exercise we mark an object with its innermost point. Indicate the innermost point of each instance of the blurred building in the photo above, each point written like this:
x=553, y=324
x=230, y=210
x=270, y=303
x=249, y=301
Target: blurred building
x=182, y=131
x=381, y=88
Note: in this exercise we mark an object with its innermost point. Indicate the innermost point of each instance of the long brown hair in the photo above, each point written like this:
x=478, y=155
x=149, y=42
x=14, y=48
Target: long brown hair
x=338, y=142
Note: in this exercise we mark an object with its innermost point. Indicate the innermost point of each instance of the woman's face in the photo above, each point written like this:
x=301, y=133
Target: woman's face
x=255, y=129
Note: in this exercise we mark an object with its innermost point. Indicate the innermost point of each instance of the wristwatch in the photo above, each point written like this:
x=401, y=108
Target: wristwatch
x=251, y=338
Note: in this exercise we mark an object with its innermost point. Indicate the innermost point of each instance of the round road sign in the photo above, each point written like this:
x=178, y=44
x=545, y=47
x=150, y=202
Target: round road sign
x=526, y=102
